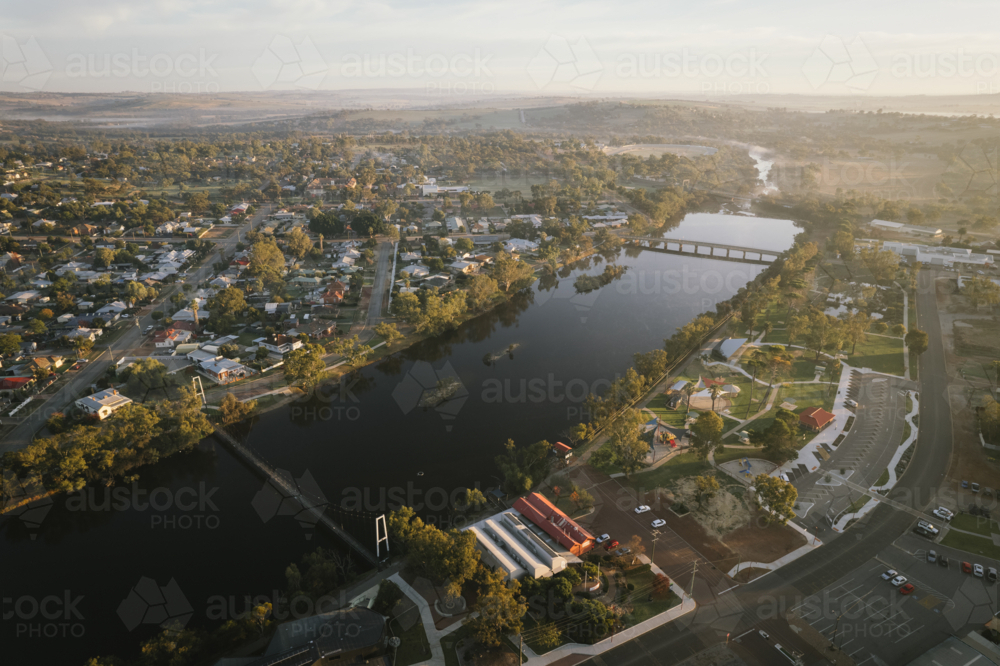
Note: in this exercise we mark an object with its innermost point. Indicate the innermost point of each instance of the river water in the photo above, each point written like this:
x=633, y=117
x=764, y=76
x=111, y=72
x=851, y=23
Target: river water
x=379, y=438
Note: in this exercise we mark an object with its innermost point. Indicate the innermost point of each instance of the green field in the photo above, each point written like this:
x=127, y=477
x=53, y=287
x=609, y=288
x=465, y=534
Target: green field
x=672, y=417
x=643, y=607
x=677, y=468
x=978, y=524
x=975, y=545
x=880, y=353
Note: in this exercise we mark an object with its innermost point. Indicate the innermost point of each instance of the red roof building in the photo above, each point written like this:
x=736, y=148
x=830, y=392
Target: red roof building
x=14, y=383
x=555, y=523
x=815, y=418
x=562, y=450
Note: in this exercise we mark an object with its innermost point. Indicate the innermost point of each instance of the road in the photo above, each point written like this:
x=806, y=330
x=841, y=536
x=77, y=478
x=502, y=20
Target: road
x=379, y=286
x=80, y=384
x=771, y=596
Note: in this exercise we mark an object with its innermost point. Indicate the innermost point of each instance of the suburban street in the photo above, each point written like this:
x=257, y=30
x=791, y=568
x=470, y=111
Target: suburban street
x=822, y=572
x=81, y=381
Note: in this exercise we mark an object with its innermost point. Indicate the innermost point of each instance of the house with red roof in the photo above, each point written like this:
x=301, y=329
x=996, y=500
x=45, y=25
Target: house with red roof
x=562, y=451
x=815, y=418
x=555, y=523
x=10, y=384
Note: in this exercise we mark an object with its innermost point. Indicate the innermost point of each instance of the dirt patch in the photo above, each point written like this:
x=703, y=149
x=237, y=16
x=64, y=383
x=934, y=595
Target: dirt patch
x=720, y=515
x=755, y=542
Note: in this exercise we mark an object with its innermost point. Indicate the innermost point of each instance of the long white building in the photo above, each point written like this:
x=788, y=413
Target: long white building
x=938, y=255
x=509, y=544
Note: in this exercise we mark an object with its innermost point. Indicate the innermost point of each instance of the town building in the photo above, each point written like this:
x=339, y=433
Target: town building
x=815, y=418
x=103, y=403
x=507, y=543
x=566, y=532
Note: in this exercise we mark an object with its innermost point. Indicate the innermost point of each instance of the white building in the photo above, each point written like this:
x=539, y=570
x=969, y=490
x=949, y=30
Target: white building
x=901, y=228
x=103, y=403
x=938, y=255
x=506, y=542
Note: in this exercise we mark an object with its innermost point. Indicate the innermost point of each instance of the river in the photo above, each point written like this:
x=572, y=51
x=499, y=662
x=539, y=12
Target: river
x=519, y=372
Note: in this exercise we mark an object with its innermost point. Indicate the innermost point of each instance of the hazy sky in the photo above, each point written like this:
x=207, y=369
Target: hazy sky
x=553, y=47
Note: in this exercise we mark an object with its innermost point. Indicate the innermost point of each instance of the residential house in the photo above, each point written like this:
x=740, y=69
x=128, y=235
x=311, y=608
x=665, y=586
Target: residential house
x=279, y=344
x=10, y=384
x=464, y=267
x=334, y=293
x=170, y=338
x=103, y=403
x=224, y=370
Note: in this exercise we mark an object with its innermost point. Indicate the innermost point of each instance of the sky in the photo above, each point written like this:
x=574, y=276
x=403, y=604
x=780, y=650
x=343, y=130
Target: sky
x=588, y=48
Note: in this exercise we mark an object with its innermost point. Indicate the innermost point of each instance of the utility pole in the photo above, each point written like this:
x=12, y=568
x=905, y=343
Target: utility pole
x=520, y=649
x=691, y=593
x=656, y=536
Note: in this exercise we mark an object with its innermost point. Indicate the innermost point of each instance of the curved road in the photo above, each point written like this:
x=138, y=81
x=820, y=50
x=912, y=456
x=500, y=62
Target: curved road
x=770, y=597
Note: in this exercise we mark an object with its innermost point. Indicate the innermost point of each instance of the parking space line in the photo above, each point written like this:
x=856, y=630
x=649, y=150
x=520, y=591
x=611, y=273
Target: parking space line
x=910, y=633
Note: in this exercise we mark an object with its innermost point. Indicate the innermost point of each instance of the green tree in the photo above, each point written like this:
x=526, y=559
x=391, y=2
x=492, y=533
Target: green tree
x=481, y=290
x=388, y=332
x=916, y=340
x=707, y=486
x=298, y=243
x=267, y=263
x=351, y=350
x=652, y=364
x=706, y=432
x=777, y=498
x=624, y=437
x=508, y=271
x=306, y=366
x=233, y=411
x=499, y=607
x=10, y=343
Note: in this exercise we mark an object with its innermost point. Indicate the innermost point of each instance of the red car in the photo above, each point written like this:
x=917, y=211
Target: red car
x=906, y=589
x=966, y=567
x=610, y=545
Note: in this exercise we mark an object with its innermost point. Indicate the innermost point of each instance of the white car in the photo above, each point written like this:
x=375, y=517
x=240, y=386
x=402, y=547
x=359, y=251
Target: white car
x=851, y=403
x=889, y=575
x=125, y=315
x=977, y=570
x=642, y=509
x=659, y=522
x=603, y=538
x=898, y=580
x=943, y=513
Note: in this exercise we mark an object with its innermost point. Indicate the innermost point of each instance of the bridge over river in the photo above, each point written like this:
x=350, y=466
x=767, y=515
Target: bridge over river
x=723, y=251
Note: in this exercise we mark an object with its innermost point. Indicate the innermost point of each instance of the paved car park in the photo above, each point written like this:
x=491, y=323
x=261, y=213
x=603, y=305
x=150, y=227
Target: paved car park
x=868, y=618
x=863, y=454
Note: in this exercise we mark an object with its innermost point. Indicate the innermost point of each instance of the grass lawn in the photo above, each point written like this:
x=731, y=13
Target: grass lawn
x=880, y=353
x=858, y=504
x=883, y=478
x=642, y=607
x=449, y=642
x=977, y=524
x=804, y=368
x=664, y=476
x=972, y=544
x=414, y=648
x=672, y=417
x=735, y=454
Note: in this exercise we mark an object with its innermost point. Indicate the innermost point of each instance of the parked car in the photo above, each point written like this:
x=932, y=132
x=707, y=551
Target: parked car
x=977, y=570
x=965, y=484
x=975, y=487
x=602, y=538
x=906, y=589
x=966, y=567
x=943, y=513
x=642, y=509
x=659, y=522
x=622, y=552
x=922, y=532
x=610, y=545
x=851, y=403
x=928, y=526
x=889, y=575
x=898, y=580
x=931, y=556
x=763, y=634
x=943, y=561
x=991, y=575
